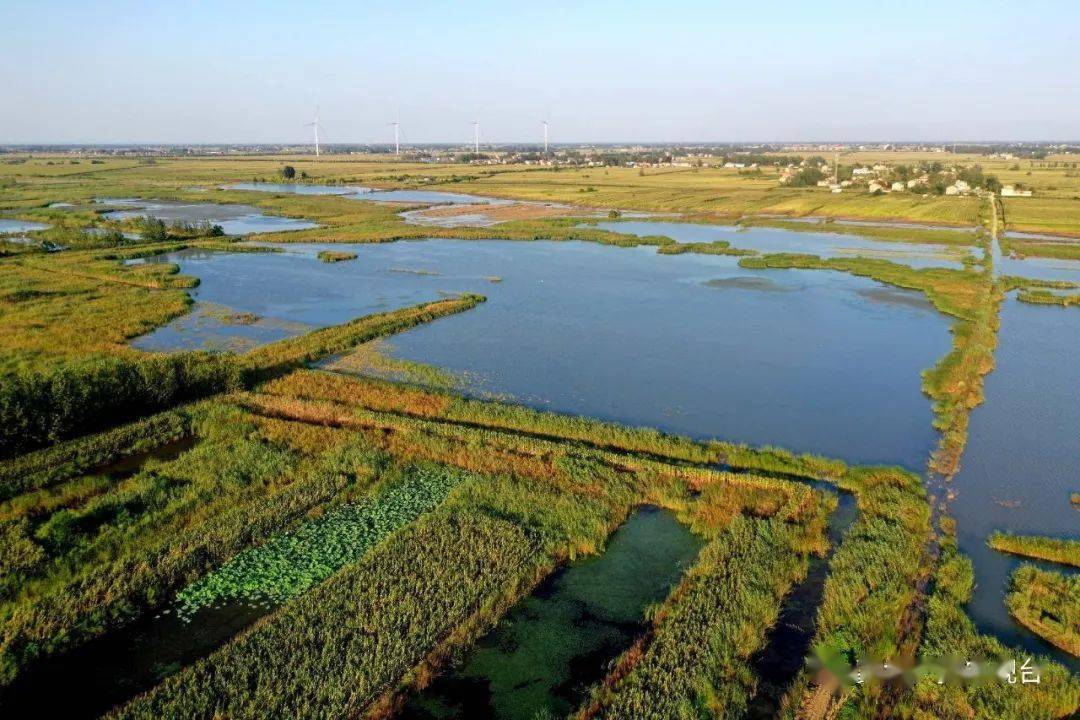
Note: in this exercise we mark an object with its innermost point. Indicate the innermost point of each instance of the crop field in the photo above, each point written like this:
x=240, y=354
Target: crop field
x=336, y=541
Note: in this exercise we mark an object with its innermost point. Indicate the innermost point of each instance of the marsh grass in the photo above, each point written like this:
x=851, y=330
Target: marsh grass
x=1059, y=550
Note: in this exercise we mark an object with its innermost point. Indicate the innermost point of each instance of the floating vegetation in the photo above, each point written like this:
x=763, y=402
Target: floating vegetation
x=894, y=296
x=227, y=316
x=717, y=247
x=493, y=278
x=747, y=282
x=414, y=271
x=334, y=256
x=288, y=565
x=374, y=358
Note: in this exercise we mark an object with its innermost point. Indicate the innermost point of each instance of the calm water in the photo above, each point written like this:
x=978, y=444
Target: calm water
x=234, y=219
x=428, y=196
x=14, y=226
x=433, y=197
x=809, y=360
x=1040, y=268
x=297, y=188
x=1020, y=464
x=774, y=240
x=1039, y=236
x=547, y=651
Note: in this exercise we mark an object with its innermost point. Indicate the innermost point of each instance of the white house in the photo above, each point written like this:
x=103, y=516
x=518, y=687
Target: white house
x=1011, y=191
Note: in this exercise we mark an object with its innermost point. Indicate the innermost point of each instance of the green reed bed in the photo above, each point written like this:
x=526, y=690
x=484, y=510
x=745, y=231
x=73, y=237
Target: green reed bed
x=949, y=633
x=125, y=551
x=1048, y=604
x=333, y=651
x=1059, y=550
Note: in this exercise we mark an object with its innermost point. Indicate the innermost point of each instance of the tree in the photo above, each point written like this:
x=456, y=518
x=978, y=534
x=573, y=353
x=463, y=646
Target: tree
x=153, y=230
x=288, y=172
x=992, y=184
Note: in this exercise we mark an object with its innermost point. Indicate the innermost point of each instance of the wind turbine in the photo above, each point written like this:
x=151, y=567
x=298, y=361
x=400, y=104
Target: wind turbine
x=316, y=127
x=397, y=136
x=476, y=136
x=545, y=124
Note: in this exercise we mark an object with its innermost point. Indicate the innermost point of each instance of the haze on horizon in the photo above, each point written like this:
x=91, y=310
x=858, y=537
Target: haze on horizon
x=129, y=72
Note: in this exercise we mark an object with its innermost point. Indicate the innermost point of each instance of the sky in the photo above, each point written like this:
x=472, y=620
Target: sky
x=662, y=71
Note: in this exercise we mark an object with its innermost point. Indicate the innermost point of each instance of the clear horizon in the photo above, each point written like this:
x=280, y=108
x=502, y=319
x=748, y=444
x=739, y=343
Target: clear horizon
x=124, y=73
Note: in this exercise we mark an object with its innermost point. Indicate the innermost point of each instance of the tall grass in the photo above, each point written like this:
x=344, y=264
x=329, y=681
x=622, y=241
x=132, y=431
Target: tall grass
x=1059, y=550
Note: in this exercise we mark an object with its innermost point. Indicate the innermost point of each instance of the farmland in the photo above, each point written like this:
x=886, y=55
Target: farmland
x=368, y=522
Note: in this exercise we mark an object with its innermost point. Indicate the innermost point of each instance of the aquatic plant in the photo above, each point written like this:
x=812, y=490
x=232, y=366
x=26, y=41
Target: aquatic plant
x=1048, y=604
x=335, y=256
x=1059, y=550
x=949, y=632
x=288, y=565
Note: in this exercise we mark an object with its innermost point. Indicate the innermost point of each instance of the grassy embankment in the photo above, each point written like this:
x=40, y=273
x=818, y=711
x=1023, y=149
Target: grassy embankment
x=53, y=404
x=1059, y=550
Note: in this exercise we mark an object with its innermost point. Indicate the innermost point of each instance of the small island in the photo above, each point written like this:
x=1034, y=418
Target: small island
x=333, y=256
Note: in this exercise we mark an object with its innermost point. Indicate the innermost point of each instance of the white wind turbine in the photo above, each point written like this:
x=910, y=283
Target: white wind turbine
x=397, y=136
x=315, y=125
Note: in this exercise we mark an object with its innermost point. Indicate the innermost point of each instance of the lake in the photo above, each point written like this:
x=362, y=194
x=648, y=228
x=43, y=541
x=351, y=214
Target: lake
x=1020, y=463
x=234, y=219
x=776, y=240
x=813, y=361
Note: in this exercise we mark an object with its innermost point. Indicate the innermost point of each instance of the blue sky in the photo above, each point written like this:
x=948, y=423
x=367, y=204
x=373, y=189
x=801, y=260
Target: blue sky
x=600, y=71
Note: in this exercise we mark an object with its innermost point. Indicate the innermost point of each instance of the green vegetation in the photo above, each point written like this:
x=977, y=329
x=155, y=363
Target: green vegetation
x=1048, y=604
x=950, y=633
x=53, y=405
x=395, y=523
x=334, y=256
x=65, y=460
x=289, y=565
x=934, y=236
x=37, y=408
x=1057, y=550
x=1044, y=297
x=717, y=247
x=332, y=651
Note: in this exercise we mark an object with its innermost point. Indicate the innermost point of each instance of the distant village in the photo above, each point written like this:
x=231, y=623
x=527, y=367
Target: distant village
x=924, y=178
x=790, y=161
